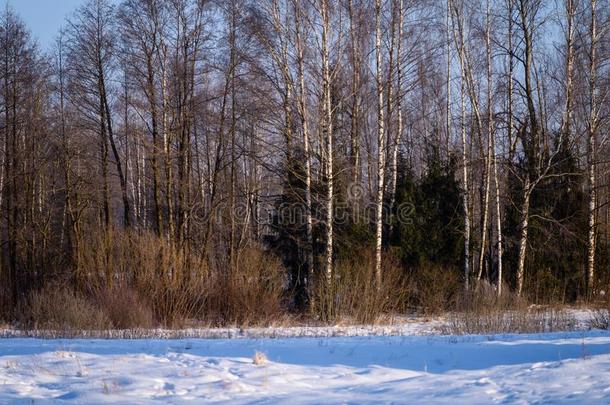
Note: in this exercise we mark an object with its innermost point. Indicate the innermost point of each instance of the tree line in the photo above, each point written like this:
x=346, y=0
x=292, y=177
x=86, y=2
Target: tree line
x=461, y=140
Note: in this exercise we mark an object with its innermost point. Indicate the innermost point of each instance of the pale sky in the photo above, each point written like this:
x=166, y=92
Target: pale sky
x=44, y=18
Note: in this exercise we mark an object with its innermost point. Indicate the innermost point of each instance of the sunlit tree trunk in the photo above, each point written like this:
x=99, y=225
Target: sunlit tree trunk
x=328, y=139
x=592, y=149
x=380, y=147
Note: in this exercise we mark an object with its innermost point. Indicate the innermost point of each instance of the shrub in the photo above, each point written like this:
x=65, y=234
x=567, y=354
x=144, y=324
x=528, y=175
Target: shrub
x=434, y=289
x=132, y=266
x=351, y=293
x=57, y=308
x=125, y=308
x=250, y=293
x=167, y=284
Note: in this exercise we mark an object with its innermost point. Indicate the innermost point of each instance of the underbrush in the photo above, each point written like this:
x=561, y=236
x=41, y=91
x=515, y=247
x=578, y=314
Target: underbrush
x=600, y=318
x=434, y=289
x=132, y=280
x=57, y=308
x=351, y=293
x=483, y=312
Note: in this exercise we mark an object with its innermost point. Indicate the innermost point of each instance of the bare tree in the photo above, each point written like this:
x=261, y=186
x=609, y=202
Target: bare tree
x=91, y=47
x=381, y=149
x=328, y=139
x=592, y=126
x=302, y=102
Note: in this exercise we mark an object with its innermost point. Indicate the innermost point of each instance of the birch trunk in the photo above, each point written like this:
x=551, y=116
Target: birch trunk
x=399, y=95
x=355, y=127
x=524, y=224
x=591, y=150
x=498, y=218
x=511, y=140
x=167, y=148
x=531, y=146
x=328, y=148
x=380, y=147
x=567, y=118
x=465, y=191
x=488, y=162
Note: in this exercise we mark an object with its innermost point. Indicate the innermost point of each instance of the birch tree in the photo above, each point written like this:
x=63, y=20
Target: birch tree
x=327, y=121
x=381, y=149
x=592, y=126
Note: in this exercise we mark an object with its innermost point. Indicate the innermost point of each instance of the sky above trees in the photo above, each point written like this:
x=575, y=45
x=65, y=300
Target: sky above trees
x=43, y=17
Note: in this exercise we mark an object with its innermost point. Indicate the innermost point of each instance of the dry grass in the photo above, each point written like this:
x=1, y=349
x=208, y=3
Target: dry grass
x=600, y=318
x=259, y=359
x=57, y=308
x=483, y=312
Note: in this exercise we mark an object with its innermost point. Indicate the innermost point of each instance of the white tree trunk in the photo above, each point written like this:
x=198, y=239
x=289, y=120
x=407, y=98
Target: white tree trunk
x=399, y=95
x=465, y=192
x=498, y=221
x=524, y=225
x=380, y=147
x=328, y=149
x=488, y=157
x=591, y=150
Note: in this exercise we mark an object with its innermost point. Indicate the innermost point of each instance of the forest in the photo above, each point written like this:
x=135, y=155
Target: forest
x=240, y=162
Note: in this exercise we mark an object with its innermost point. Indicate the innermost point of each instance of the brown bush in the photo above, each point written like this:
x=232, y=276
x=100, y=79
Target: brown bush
x=351, y=293
x=162, y=277
x=125, y=308
x=57, y=308
x=251, y=293
x=434, y=289
x=179, y=287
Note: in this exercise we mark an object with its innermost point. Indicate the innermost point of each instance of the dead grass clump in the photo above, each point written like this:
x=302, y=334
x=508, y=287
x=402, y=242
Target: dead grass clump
x=57, y=308
x=600, y=318
x=259, y=359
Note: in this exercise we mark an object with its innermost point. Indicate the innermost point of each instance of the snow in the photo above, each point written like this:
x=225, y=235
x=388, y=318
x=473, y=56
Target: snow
x=398, y=326
x=403, y=327
x=567, y=367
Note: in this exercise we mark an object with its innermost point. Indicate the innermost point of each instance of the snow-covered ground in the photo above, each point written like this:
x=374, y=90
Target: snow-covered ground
x=407, y=326
x=569, y=367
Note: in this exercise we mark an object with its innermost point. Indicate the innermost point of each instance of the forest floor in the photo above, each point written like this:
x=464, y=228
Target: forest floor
x=415, y=364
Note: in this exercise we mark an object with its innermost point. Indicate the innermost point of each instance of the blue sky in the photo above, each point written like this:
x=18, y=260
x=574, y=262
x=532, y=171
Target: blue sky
x=43, y=17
